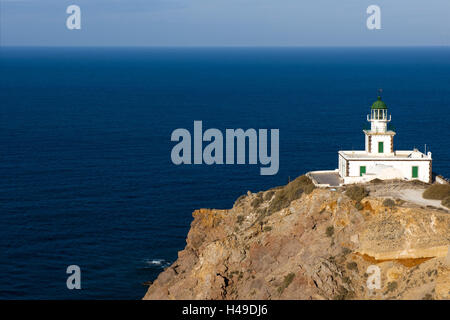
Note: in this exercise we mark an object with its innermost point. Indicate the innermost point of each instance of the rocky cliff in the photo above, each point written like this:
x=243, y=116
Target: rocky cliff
x=297, y=242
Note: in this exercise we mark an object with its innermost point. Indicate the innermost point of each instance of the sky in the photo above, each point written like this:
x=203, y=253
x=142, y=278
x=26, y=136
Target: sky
x=225, y=23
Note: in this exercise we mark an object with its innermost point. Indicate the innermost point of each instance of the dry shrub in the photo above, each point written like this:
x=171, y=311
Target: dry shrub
x=330, y=231
x=356, y=193
x=446, y=202
x=352, y=266
x=292, y=191
x=286, y=282
x=258, y=200
x=389, y=203
x=437, y=192
x=359, y=206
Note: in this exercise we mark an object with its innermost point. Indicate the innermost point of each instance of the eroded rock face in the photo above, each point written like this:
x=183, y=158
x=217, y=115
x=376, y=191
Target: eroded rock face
x=319, y=247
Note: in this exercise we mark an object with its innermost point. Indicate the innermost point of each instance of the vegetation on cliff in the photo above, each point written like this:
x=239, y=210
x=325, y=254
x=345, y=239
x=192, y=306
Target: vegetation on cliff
x=438, y=192
x=292, y=191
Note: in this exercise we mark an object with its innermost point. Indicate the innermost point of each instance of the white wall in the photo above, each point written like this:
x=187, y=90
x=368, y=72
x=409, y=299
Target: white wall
x=402, y=166
x=342, y=166
x=386, y=139
x=378, y=126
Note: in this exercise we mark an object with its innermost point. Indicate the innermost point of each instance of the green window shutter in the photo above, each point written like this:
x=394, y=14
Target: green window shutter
x=380, y=147
x=362, y=170
x=415, y=172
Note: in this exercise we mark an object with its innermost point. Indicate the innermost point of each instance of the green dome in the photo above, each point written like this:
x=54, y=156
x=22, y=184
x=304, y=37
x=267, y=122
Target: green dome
x=379, y=104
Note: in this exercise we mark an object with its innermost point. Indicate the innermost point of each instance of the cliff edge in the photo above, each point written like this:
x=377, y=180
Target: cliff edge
x=298, y=242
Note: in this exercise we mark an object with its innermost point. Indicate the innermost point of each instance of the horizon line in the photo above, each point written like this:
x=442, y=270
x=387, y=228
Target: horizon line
x=226, y=46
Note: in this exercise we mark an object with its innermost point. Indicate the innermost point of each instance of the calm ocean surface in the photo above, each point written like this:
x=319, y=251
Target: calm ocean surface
x=85, y=170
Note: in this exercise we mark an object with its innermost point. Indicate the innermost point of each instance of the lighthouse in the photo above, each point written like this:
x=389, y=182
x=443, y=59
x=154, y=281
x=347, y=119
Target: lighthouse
x=379, y=159
x=379, y=140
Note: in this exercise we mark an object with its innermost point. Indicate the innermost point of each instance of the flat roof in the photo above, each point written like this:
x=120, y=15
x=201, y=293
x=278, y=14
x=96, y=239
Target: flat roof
x=331, y=178
x=374, y=133
x=398, y=155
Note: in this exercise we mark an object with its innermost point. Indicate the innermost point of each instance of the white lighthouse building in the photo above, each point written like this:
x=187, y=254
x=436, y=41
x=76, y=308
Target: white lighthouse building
x=379, y=159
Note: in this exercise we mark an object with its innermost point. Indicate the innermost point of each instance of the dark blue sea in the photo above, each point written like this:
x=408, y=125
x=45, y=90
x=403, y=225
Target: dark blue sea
x=86, y=176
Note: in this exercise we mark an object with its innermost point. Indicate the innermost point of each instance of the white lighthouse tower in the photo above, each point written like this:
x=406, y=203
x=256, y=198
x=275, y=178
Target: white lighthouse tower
x=379, y=140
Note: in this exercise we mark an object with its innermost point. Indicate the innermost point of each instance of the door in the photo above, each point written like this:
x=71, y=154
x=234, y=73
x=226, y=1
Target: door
x=380, y=147
x=362, y=170
x=415, y=172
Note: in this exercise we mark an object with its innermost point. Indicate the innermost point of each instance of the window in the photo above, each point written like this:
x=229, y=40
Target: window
x=415, y=172
x=362, y=170
x=380, y=147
